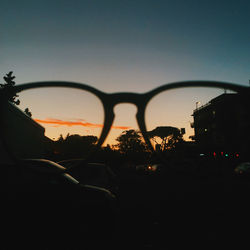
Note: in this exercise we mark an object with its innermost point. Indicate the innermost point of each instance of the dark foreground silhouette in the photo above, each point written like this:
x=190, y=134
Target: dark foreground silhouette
x=44, y=209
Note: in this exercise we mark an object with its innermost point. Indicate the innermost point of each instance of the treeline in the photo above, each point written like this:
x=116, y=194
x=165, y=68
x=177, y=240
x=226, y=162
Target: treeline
x=130, y=146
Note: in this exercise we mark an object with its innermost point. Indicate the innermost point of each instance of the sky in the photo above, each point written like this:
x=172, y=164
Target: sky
x=125, y=45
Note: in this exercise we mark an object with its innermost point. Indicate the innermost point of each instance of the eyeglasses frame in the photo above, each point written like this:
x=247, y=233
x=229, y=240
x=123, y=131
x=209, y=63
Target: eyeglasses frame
x=140, y=100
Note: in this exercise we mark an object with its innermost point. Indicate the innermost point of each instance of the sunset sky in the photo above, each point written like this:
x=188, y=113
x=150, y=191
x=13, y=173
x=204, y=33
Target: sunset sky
x=125, y=45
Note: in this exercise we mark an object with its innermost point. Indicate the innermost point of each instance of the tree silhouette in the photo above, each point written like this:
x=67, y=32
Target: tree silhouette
x=8, y=87
x=27, y=112
x=130, y=141
x=75, y=145
x=168, y=135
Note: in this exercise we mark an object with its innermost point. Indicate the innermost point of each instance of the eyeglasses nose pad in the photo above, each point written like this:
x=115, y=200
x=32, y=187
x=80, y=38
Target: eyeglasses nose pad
x=123, y=118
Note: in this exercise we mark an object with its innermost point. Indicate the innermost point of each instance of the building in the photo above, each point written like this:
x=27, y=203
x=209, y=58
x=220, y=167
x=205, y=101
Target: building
x=21, y=135
x=223, y=124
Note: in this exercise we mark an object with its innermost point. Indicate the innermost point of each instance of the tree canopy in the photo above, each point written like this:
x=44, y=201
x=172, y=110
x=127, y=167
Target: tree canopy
x=8, y=86
x=73, y=146
x=168, y=135
x=27, y=112
x=130, y=141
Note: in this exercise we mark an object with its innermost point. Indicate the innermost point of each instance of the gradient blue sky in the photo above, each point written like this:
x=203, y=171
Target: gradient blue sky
x=125, y=45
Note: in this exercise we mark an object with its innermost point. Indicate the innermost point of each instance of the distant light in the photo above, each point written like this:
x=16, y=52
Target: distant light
x=226, y=155
x=202, y=154
x=237, y=155
x=214, y=154
x=152, y=168
x=221, y=153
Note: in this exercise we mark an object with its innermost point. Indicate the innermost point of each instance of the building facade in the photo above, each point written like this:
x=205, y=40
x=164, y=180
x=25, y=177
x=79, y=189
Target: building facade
x=223, y=124
x=21, y=135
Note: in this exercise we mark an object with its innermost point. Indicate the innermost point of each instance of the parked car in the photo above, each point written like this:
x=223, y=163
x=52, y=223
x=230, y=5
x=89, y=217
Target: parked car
x=43, y=204
x=96, y=174
x=243, y=169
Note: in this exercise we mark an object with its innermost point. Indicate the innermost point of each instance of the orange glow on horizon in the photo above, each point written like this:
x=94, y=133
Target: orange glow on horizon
x=79, y=122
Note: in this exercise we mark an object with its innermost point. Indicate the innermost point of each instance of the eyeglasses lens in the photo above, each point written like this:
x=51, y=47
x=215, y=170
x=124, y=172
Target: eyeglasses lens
x=191, y=124
x=54, y=123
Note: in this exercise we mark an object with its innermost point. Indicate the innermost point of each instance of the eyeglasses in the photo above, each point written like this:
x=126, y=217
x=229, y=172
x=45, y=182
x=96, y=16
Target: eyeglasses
x=67, y=120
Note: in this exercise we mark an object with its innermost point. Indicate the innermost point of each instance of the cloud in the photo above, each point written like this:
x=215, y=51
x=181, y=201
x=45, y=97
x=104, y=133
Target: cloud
x=76, y=122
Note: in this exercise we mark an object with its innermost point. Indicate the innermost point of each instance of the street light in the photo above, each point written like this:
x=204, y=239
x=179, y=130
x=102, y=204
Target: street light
x=197, y=103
